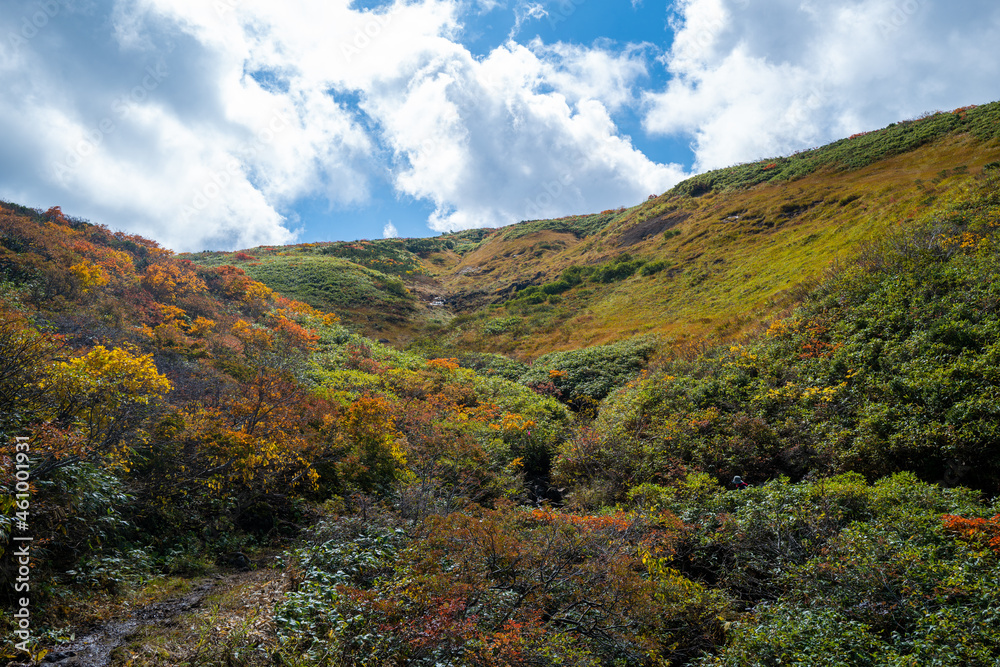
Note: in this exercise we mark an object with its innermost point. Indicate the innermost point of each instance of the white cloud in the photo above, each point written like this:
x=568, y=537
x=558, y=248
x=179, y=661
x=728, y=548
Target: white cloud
x=390, y=231
x=263, y=105
x=519, y=134
x=752, y=80
x=524, y=12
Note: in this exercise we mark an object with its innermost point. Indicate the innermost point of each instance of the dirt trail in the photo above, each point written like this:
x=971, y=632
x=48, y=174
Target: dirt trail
x=94, y=650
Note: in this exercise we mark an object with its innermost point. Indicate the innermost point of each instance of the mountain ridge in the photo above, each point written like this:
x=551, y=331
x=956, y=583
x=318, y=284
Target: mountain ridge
x=727, y=244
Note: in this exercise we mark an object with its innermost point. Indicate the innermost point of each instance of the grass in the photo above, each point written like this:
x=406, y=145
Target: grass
x=232, y=626
x=736, y=257
x=714, y=256
x=854, y=153
x=579, y=226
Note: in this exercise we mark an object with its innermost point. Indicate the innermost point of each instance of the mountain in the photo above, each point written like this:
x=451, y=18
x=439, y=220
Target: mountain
x=713, y=257
x=513, y=446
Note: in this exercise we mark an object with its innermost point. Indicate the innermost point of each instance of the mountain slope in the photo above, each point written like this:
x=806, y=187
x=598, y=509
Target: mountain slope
x=709, y=258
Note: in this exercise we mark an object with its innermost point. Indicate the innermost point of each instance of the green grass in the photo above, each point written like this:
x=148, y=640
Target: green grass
x=330, y=283
x=848, y=154
x=580, y=226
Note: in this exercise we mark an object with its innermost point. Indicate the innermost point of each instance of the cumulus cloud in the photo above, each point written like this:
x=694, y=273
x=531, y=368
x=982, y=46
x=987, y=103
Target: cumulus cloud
x=390, y=231
x=494, y=141
x=202, y=124
x=524, y=12
x=752, y=80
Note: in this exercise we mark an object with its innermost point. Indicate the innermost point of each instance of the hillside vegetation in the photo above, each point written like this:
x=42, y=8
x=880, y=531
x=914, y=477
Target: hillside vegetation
x=711, y=257
x=538, y=471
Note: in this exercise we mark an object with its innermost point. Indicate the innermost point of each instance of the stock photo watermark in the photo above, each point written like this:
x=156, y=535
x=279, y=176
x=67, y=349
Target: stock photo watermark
x=536, y=206
x=902, y=13
x=22, y=540
x=121, y=108
x=220, y=180
x=32, y=24
x=224, y=6
x=365, y=35
x=562, y=11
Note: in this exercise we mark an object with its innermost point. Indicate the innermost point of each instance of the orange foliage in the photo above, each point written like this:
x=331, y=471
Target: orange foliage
x=253, y=338
x=118, y=267
x=982, y=533
x=293, y=333
x=619, y=521
x=168, y=282
x=257, y=438
x=236, y=284
x=443, y=364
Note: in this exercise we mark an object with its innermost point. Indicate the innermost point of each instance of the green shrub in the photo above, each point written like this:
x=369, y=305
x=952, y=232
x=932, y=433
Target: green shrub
x=654, y=267
x=592, y=372
x=501, y=325
x=620, y=269
x=487, y=363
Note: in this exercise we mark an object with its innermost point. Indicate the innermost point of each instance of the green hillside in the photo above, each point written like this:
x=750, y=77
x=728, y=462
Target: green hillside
x=519, y=446
x=710, y=258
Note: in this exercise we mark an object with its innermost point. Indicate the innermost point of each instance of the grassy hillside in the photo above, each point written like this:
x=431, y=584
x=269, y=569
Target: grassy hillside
x=709, y=259
x=717, y=262
x=825, y=327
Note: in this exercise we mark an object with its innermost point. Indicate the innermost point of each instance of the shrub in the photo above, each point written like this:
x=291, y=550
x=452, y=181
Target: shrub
x=501, y=325
x=622, y=268
x=654, y=267
x=592, y=372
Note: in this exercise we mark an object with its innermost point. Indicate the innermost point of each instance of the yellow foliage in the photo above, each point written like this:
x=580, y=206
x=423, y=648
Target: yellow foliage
x=103, y=389
x=168, y=281
x=202, y=326
x=170, y=314
x=114, y=375
x=741, y=357
x=89, y=275
x=823, y=394
x=512, y=422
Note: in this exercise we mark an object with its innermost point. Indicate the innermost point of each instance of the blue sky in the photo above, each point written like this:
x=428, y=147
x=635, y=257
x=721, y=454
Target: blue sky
x=221, y=124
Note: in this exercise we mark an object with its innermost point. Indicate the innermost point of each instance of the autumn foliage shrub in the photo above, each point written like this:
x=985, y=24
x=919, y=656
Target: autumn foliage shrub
x=503, y=587
x=885, y=367
x=975, y=531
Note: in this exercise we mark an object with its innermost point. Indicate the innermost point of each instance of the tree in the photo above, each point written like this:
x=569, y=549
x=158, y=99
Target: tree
x=104, y=395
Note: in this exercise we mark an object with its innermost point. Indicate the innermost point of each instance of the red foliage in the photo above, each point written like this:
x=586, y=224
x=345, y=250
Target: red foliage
x=978, y=532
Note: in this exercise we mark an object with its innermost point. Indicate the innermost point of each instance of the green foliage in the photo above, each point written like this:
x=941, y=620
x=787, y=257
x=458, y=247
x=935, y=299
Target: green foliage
x=311, y=622
x=886, y=367
x=849, y=572
x=501, y=325
x=592, y=373
x=653, y=268
x=616, y=270
x=580, y=226
x=488, y=363
x=621, y=268
x=848, y=154
x=330, y=283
